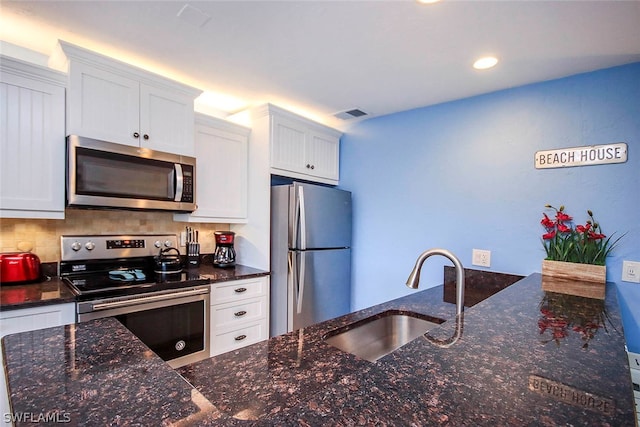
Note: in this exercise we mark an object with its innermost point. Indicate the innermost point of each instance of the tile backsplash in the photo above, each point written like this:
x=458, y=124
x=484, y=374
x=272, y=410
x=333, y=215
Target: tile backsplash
x=42, y=236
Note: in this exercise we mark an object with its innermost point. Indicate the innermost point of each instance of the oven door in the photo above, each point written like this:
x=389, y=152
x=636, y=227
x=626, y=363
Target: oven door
x=175, y=325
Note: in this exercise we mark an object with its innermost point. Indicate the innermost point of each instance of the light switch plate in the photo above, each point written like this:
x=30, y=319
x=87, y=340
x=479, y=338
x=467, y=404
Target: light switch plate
x=631, y=271
x=481, y=257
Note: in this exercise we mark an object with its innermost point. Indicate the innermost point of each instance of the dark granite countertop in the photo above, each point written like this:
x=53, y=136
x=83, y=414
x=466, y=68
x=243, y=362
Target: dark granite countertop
x=54, y=291
x=524, y=358
x=51, y=291
x=237, y=272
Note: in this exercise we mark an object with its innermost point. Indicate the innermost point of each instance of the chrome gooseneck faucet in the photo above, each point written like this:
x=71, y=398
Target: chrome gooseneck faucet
x=414, y=277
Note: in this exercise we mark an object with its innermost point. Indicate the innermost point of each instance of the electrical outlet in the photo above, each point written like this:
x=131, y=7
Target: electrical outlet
x=183, y=238
x=631, y=271
x=481, y=257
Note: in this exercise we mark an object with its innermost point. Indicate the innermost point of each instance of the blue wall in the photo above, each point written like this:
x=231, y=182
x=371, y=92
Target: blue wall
x=461, y=175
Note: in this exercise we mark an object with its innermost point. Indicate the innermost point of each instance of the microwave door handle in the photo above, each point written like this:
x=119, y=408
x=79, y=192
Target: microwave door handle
x=179, y=182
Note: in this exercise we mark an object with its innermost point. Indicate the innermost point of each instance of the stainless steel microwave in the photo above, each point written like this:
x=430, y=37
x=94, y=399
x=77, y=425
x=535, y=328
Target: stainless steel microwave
x=106, y=175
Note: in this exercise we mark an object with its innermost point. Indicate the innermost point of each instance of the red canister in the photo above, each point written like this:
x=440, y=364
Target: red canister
x=19, y=267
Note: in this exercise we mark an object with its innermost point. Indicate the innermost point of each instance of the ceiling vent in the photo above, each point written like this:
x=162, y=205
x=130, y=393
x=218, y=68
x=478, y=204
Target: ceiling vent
x=350, y=114
x=193, y=16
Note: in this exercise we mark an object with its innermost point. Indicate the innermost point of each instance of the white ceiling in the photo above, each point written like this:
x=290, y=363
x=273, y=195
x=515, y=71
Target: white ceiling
x=323, y=57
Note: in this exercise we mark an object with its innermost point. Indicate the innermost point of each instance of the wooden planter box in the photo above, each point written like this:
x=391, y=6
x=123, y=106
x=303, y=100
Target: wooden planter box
x=585, y=280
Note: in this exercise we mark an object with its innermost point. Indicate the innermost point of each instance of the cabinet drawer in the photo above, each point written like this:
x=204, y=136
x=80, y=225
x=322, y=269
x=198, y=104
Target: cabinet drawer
x=238, y=338
x=227, y=315
x=238, y=290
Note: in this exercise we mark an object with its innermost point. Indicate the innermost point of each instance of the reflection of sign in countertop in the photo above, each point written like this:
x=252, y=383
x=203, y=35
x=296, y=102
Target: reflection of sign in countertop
x=524, y=356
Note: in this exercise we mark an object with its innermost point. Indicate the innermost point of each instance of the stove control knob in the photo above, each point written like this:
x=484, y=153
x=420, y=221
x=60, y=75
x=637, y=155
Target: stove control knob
x=167, y=243
x=76, y=246
x=157, y=244
x=90, y=246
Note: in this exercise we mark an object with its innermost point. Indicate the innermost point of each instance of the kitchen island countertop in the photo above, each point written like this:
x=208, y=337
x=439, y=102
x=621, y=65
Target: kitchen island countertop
x=525, y=357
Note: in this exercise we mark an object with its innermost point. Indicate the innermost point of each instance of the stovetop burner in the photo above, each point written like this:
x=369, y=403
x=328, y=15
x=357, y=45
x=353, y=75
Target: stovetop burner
x=115, y=265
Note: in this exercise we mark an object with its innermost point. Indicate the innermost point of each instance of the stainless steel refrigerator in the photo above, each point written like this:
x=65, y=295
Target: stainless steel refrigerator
x=310, y=255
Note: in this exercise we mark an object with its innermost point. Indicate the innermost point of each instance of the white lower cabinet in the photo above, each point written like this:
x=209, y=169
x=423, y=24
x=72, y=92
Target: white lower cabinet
x=239, y=314
x=30, y=319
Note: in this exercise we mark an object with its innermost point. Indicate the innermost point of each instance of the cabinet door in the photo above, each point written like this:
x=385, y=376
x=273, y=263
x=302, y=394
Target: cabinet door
x=288, y=145
x=323, y=154
x=166, y=120
x=32, y=147
x=103, y=105
x=222, y=158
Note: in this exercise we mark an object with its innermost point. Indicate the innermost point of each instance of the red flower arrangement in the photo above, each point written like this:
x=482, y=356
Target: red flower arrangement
x=584, y=244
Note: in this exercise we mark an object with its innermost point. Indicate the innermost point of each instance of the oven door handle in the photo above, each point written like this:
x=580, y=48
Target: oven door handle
x=152, y=298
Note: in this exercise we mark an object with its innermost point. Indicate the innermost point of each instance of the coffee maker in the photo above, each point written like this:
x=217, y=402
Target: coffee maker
x=225, y=255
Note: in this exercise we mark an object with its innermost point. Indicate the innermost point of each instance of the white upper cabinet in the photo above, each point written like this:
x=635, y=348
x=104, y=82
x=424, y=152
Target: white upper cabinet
x=222, y=157
x=116, y=102
x=304, y=149
x=166, y=119
x=32, y=140
x=323, y=155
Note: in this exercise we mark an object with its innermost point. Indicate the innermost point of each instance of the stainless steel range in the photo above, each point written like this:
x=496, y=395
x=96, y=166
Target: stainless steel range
x=126, y=277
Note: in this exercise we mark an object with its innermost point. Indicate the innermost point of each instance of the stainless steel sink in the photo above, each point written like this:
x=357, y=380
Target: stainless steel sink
x=377, y=336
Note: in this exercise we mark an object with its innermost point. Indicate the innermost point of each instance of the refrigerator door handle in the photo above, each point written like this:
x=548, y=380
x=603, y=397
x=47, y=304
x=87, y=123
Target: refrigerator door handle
x=300, y=283
x=292, y=288
x=303, y=221
x=294, y=219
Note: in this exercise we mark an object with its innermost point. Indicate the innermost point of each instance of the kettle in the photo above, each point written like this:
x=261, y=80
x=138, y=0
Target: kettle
x=168, y=263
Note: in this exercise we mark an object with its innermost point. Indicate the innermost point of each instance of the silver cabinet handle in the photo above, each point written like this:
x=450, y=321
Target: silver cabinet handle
x=240, y=290
x=240, y=313
x=240, y=337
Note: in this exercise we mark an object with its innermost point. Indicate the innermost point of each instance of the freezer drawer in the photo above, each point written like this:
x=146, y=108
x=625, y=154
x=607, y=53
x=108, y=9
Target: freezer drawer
x=319, y=217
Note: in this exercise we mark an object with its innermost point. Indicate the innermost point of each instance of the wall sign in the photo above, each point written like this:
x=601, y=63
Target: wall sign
x=581, y=156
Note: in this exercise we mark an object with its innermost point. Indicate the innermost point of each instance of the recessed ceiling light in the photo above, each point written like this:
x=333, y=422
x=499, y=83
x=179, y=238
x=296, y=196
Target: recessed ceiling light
x=485, y=62
x=427, y=1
